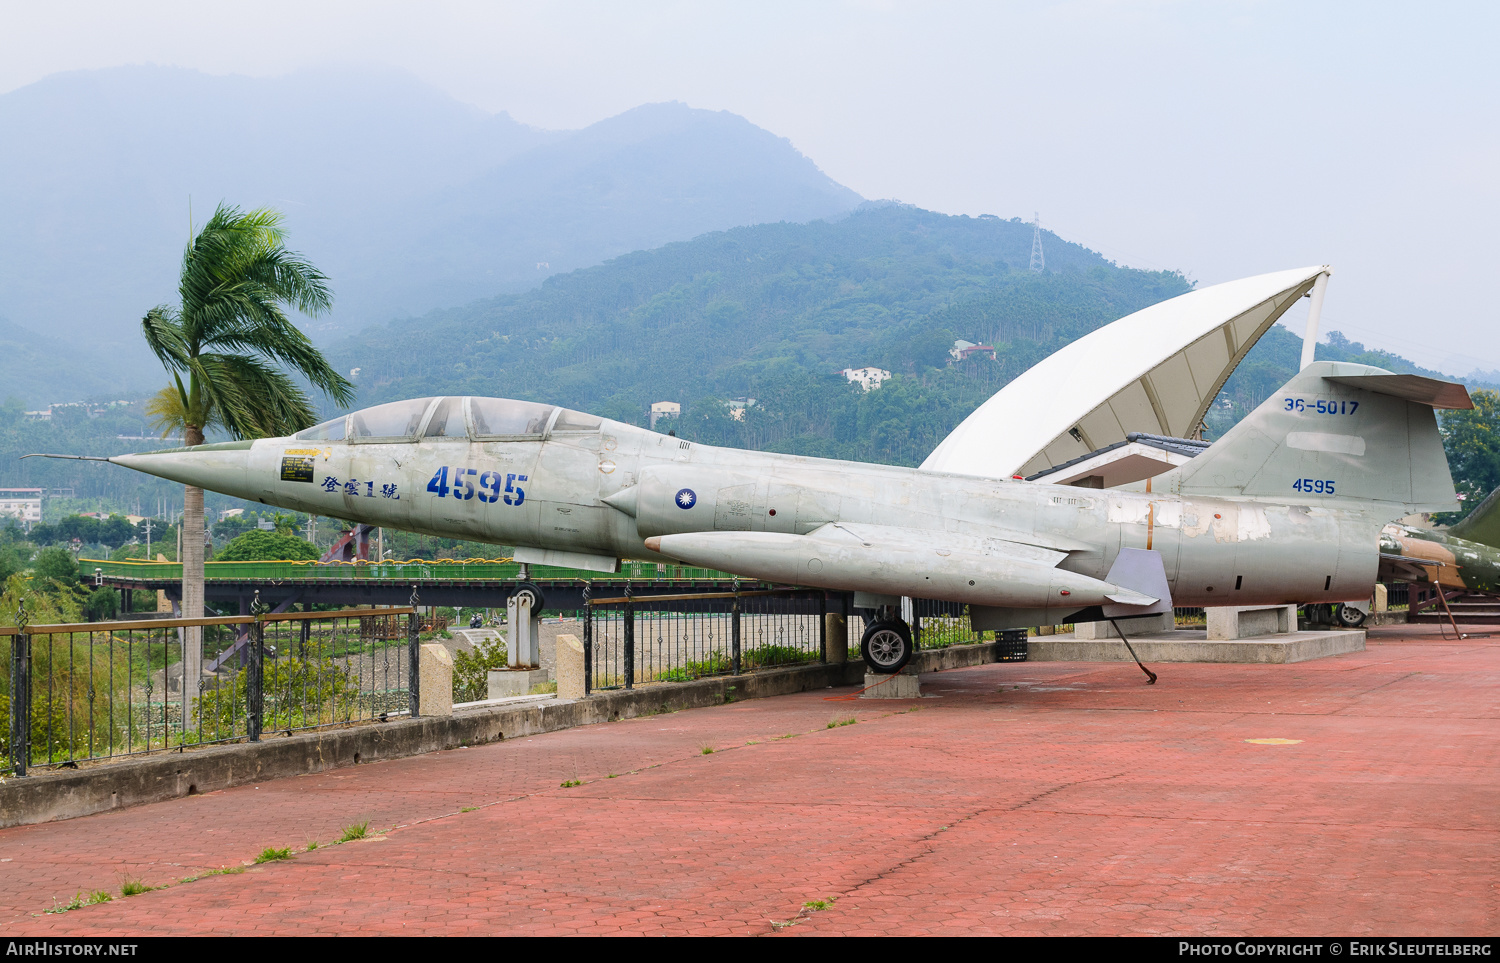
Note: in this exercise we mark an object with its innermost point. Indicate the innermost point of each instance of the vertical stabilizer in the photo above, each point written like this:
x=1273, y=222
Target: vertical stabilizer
x=1336, y=432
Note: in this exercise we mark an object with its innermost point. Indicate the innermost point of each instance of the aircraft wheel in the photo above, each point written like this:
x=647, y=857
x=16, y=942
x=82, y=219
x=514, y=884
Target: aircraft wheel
x=528, y=590
x=1348, y=615
x=886, y=646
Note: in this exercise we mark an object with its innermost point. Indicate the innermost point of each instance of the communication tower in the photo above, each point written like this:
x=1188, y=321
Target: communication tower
x=1038, y=262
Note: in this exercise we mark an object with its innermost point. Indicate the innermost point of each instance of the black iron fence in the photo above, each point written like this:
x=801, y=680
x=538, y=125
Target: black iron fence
x=631, y=641
x=101, y=690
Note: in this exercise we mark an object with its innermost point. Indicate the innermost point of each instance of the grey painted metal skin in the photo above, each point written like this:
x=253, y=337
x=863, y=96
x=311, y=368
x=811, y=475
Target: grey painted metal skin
x=1233, y=527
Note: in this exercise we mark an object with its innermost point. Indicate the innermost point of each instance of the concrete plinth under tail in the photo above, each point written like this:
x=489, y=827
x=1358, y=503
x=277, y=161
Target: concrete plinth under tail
x=1193, y=645
x=905, y=684
x=504, y=683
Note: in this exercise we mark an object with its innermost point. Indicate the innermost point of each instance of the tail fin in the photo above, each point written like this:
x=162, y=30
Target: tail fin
x=1336, y=432
x=1481, y=525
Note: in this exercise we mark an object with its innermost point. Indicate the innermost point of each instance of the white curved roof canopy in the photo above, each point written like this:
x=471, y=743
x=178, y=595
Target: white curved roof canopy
x=1155, y=371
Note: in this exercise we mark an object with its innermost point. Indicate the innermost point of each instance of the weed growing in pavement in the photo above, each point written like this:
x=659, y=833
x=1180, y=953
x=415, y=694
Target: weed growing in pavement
x=819, y=904
x=312, y=845
x=846, y=721
x=570, y=783
x=613, y=775
x=707, y=750
x=355, y=831
x=134, y=886
x=468, y=809
x=80, y=900
x=271, y=854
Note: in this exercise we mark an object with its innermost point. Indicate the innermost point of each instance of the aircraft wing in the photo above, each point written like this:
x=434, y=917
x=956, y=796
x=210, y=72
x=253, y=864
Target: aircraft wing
x=1155, y=371
x=885, y=560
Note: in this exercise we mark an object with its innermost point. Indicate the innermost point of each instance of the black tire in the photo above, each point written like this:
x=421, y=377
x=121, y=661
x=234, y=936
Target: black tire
x=528, y=589
x=1348, y=616
x=886, y=646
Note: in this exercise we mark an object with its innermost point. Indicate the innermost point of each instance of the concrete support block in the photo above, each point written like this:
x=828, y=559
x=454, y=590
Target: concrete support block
x=504, y=683
x=1382, y=598
x=522, y=642
x=903, y=685
x=836, y=628
x=569, y=667
x=1149, y=625
x=435, y=696
x=1231, y=622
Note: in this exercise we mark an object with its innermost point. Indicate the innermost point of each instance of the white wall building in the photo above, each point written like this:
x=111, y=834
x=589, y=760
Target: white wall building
x=22, y=503
x=664, y=409
x=866, y=378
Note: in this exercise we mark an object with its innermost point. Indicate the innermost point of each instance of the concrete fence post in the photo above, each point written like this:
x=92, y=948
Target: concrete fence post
x=435, y=680
x=570, y=668
x=836, y=631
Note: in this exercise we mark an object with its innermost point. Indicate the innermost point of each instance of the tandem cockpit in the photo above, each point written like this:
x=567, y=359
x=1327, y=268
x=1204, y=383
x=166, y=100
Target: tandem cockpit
x=452, y=417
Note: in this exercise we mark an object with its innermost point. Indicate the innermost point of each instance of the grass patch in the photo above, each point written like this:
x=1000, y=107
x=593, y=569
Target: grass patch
x=312, y=845
x=542, y=688
x=707, y=750
x=355, y=831
x=846, y=721
x=570, y=783
x=819, y=904
x=80, y=900
x=613, y=775
x=468, y=809
x=271, y=854
x=134, y=886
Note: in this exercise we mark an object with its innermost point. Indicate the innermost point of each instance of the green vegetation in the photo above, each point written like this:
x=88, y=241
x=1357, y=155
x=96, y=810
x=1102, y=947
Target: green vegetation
x=570, y=783
x=707, y=750
x=471, y=669
x=355, y=831
x=134, y=886
x=845, y=721
x=271, y=854
x=82, y=899
x=771, y=312
x=257, y=546
x=1472, y=441
x=229, y=337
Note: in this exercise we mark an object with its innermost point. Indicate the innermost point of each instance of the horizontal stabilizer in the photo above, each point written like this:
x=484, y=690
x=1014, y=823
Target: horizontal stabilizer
x=1482, y=524
x=1143, y=576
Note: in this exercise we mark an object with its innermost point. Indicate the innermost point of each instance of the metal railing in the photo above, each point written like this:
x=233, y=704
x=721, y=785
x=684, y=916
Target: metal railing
x=631, y=641
x=102, y=690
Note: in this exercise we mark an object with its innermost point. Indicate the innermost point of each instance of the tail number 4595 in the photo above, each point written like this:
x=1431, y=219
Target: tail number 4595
x=463, y=488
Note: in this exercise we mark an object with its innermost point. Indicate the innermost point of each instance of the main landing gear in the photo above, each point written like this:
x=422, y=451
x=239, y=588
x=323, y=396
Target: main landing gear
x=886, y=644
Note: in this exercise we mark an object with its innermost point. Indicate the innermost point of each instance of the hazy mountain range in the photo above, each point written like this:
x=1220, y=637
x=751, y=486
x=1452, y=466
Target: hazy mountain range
x=408, y=199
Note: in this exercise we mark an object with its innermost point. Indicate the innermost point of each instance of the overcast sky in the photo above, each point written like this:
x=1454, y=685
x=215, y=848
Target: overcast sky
x=1220, y=139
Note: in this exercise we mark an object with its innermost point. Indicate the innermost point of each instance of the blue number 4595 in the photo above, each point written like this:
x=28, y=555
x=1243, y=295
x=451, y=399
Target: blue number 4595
x=489, y=490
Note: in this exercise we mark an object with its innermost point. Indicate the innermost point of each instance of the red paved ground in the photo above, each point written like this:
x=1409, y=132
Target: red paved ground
x=1041, y=798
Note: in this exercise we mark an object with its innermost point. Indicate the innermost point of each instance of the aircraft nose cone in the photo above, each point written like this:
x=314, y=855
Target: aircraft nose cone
x=221, y=468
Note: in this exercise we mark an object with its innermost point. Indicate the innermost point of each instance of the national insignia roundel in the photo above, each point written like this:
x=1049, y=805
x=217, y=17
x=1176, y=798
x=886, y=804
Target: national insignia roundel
x=686, y=498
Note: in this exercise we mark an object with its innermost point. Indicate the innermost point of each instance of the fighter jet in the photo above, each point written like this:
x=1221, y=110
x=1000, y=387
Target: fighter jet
x=1287, y=506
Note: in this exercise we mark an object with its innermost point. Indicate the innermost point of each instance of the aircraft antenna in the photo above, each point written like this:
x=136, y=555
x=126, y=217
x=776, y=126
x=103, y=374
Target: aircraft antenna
x=1038, y=262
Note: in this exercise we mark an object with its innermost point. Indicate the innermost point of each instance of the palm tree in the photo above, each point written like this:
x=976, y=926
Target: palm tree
x=229, y=338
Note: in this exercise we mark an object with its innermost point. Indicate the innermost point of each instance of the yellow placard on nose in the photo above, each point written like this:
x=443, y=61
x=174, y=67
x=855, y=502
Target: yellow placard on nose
x=1273, y=742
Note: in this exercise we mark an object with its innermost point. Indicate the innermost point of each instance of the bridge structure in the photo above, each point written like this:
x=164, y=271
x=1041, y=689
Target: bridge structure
x=470, y=583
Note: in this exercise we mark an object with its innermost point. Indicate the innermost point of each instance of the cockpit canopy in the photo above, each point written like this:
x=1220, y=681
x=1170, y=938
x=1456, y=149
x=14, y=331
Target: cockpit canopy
x=480, y=419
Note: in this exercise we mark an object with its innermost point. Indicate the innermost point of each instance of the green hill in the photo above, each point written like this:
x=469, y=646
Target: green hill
x=772, y=312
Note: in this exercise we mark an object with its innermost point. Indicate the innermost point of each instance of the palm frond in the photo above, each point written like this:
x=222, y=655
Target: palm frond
x=164, y=337
x=252, y=399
